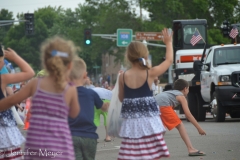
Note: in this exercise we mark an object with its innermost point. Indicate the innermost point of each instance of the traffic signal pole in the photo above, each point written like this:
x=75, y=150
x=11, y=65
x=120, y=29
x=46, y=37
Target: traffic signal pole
x=29, y=23
x=114, y=37
x=9, y=22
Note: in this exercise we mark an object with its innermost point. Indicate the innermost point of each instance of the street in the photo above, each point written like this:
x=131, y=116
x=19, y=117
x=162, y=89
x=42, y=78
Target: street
x=222, y=142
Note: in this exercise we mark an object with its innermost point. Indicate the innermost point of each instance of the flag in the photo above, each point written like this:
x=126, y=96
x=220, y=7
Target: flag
x=195, y=38
x=234, y=32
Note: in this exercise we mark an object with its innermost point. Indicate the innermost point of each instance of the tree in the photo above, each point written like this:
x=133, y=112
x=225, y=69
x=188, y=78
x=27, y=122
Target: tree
x=215, y=12
x=5, y=15
x=28, y=47
x=215, y=37
x=105, y=17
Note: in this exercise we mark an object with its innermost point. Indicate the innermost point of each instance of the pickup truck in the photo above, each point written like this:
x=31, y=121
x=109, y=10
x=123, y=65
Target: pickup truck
x=220, y=81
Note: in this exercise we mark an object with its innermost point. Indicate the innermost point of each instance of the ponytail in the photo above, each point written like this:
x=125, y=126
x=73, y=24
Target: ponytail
x=56, y=67
x=144, y=63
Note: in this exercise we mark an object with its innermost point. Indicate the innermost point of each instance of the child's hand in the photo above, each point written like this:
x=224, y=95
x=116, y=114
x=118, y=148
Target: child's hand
x=166, y=37
x=10, y=54
x=201, y=131
x=120, y=72
x=21, y=109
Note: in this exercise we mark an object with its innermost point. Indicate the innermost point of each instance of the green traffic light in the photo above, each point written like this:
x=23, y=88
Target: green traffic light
x=88, y=41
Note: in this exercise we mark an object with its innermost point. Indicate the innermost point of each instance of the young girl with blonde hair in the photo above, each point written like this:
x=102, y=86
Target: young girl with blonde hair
x=53, y=100
x=142, y=127
x=11, y=138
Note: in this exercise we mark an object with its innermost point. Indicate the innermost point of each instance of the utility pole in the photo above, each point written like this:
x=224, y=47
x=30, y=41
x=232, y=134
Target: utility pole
x=140, y=7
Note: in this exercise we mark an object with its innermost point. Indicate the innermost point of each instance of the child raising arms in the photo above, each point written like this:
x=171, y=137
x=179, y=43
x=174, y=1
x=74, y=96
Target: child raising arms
x=11, y=138
x=142, y=127
x=53, y=100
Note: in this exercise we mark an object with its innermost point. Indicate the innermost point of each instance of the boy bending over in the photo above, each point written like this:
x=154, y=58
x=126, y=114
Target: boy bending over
x=167, y=101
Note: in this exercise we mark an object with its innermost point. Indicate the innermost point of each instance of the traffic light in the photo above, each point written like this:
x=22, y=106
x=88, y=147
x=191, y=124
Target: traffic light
x=226, y=28
x=29, y=23
x=87, y=37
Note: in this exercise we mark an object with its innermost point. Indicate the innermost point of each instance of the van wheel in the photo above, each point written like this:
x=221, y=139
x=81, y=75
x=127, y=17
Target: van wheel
x=219, y=111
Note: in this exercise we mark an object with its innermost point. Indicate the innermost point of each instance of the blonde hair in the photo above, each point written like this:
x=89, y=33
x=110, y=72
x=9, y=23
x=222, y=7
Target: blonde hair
x=56, y=65
x=79, y=67
x=135, y=51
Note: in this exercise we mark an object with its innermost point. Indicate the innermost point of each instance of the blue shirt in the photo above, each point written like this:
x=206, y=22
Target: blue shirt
x=83, y=125
x=5, y=71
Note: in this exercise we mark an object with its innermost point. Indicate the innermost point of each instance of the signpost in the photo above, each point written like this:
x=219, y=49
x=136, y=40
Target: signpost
x=124, y=37
x=96, y=67
x=149, y=36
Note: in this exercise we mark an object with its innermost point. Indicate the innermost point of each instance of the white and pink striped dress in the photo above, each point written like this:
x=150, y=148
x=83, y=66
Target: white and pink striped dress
x=48, y=136
x=142, y=127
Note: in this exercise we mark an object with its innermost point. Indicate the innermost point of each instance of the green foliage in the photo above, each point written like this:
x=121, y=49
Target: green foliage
x=215, y=37
x=5, y=15
x=105, y=17
x=215, y=11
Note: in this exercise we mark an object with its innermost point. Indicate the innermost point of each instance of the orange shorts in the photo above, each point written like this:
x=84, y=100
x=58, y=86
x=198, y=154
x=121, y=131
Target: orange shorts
x=169, y=117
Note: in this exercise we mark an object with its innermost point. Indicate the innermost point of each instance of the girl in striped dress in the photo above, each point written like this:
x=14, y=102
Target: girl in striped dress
x=142, y=129
x=11, y=138
x=53, y=100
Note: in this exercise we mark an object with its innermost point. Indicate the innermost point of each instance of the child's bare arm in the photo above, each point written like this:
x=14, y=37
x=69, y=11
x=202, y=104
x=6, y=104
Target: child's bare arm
x=105, y=106
x=21, y=95
x=74, y=103
x=161, y=68
x=9, y=91
x=26, y=70
x=121, y=88
x=188, y=114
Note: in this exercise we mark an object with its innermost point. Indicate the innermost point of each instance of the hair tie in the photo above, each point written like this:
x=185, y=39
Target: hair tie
x=143, y=61
x=58, y=53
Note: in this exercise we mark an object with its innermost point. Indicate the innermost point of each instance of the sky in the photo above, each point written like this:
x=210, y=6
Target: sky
x=29, y=6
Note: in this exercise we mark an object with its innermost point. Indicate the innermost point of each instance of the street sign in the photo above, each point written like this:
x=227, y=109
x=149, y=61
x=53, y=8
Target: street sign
x=124, y=37
x=96, y=66
x=149, y=36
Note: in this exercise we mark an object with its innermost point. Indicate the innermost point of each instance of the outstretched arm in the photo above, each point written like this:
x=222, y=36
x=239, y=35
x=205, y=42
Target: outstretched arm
x=9, y=91
x=21, y=95
x=161, y=68
x=188, y=114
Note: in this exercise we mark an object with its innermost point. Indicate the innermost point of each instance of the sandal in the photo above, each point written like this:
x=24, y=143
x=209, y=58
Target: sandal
x=198, y=153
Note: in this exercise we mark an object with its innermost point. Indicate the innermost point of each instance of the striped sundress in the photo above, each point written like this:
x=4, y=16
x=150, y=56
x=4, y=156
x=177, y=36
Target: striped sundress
x=48, y=136
x=142, y=127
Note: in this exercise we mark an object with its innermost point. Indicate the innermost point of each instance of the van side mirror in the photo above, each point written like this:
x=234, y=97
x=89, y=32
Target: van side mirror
x=206, y=67
x=197, y=66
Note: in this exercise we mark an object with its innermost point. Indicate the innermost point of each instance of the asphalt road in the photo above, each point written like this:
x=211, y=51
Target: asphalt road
x=222, y=142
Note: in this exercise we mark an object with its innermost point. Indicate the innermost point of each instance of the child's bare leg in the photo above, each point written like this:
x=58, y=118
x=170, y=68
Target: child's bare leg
x=108, y=138
x=181, y=129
